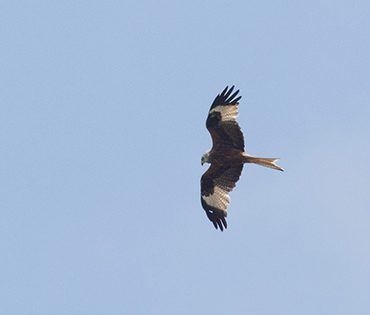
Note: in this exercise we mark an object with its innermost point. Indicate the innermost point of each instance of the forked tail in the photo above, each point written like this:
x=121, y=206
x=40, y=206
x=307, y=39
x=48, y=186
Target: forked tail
x=262, y=161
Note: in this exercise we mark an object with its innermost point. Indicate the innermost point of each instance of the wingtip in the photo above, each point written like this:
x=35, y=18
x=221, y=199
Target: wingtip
x=221, y=227
x=224, y=222
x=224, y=97
x=220, y=224
x=224, y=91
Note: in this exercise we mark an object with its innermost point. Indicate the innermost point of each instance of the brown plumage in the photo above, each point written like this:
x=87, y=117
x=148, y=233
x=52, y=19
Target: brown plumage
x=227, y=157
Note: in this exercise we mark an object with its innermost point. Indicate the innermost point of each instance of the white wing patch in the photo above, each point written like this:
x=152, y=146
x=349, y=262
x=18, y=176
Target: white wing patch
x=219, y=199
x=228, y=113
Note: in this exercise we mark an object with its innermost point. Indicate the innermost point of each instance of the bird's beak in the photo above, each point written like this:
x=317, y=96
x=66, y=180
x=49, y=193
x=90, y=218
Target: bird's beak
x=202, y=163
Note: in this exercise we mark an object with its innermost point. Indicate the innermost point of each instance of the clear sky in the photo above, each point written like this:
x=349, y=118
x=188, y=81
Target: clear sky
x=102, y=127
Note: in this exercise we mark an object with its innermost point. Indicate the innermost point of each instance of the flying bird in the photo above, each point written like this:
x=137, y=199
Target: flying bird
x=226, y=157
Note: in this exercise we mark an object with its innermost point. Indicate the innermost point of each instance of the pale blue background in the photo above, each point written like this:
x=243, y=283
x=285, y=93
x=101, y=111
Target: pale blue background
x=103, y=106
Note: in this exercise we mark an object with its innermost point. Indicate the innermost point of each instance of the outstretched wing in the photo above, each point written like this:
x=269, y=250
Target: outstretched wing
x=216, y=184
x=221, y=123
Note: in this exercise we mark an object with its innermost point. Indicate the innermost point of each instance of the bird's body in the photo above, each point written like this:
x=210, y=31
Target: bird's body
x=226, y=157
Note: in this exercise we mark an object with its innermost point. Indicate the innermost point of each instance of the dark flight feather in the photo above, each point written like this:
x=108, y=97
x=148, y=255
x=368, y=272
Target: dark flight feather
x=224, y=99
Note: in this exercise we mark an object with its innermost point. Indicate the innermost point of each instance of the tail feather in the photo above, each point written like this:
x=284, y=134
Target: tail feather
x=263, y=161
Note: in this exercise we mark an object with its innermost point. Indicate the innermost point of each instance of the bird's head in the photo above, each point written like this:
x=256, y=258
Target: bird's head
x=205, y=157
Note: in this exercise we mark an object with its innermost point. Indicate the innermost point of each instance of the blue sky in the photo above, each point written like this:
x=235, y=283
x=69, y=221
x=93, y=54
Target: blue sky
x=102, y=127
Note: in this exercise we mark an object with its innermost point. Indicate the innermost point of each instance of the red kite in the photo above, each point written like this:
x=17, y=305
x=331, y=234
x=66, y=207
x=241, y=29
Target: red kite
x=226, y=157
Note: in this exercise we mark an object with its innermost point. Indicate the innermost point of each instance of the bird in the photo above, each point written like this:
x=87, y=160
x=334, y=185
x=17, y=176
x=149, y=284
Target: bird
x=227, y=157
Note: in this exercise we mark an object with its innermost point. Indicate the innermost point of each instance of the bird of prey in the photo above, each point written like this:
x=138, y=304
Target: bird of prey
x=226, y=157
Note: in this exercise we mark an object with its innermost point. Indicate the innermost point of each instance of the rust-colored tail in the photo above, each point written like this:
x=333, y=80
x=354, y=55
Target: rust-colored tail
x=262, y=161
